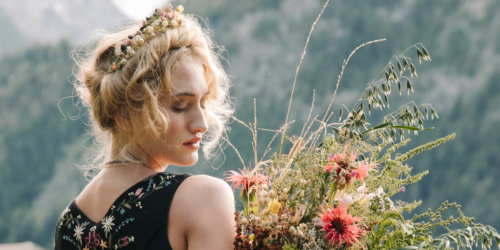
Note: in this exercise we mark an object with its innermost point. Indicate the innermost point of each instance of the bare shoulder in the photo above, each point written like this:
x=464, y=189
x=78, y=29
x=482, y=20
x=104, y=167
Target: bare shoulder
x=200, y=204
x=205, y=183
x=202, y=191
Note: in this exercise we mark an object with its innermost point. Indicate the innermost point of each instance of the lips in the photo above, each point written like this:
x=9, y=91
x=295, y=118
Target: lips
x=192, y=141
x=193, y=144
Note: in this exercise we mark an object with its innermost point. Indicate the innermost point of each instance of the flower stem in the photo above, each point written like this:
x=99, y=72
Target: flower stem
x=332, y=193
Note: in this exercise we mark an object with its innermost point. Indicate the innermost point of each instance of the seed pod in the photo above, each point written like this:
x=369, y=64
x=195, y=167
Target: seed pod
x=342, y=174
x=271, y=193
x=264, y=212
x=408, y=86
x=420, y=55
x=300, y=233
x=303, y=227
x=274, y=218
x=267, y=200
x=426, y=54
x=264, y=187
x=342, y=181
x=292, y=230
x=263, y=194
x=262, y=201
x=244, y=221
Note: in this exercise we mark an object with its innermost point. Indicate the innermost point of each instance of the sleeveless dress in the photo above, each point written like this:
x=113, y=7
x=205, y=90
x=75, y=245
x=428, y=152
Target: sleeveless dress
x=136, y=220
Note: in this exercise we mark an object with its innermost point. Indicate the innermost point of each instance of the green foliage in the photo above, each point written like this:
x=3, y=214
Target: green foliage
x=290, y=247
x=33, y=133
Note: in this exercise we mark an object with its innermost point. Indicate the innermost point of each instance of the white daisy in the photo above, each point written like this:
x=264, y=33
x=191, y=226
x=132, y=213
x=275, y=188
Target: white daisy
x=108, y=222
x=79, y=232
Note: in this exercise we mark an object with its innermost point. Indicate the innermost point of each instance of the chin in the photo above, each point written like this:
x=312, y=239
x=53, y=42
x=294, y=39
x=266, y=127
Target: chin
x=188, y=161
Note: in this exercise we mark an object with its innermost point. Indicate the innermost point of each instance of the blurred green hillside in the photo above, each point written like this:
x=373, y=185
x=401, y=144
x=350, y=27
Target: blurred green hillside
x=39, y=146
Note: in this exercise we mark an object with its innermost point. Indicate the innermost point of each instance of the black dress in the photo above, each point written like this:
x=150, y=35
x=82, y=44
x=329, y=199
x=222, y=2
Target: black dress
x=136, y=220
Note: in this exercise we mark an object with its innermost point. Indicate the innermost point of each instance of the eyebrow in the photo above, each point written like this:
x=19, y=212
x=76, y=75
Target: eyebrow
x=187, y=94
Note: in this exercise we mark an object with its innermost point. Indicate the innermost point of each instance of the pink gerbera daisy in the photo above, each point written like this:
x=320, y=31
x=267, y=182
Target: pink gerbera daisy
x=238, y=179
x=339, y=226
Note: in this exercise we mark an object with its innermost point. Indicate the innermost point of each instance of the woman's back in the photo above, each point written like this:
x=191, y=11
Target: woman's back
x=155, y=213
x=137, y=219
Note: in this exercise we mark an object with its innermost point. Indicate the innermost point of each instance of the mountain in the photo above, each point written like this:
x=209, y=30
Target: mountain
x=28, y=22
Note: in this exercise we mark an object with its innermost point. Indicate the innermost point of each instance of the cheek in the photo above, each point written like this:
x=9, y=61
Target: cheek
x=177, y=126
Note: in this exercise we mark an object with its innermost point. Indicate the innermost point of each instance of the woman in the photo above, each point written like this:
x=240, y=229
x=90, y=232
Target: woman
x=153, y=91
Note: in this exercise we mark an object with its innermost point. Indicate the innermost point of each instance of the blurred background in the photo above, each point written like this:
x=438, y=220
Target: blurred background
x=41, y=146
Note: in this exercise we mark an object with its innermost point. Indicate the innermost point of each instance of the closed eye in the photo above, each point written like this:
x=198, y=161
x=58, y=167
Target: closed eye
x=180, y=110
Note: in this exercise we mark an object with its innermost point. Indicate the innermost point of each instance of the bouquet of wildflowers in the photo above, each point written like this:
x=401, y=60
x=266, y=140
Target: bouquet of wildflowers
x=333, y=189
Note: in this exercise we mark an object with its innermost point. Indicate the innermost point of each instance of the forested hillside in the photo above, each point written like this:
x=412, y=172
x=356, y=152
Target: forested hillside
x=39, y=146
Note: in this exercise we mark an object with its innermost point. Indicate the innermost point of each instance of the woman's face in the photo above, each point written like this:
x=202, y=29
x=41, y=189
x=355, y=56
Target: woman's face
x=185, y=108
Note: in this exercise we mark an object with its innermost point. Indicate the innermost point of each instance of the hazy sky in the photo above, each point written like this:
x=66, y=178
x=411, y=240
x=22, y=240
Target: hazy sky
x=139, y=9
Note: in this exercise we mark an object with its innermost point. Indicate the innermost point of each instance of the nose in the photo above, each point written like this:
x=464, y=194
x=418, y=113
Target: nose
x=198, y=123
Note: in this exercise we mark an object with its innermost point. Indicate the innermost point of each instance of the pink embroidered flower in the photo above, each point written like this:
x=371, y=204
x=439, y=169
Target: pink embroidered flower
x=138, y=192
x=93, y=240
x=125, y=241
x=141, y=195
x=339, y=226
x=245, y=180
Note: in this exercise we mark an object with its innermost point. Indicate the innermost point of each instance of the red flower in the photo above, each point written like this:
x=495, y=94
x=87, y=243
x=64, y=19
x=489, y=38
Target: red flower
x=346, y=166
x=329, y=167
x=245, y=180
x=362, y=171
x=339, y=226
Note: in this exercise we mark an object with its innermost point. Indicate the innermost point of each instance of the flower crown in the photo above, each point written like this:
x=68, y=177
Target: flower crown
x=161, y=19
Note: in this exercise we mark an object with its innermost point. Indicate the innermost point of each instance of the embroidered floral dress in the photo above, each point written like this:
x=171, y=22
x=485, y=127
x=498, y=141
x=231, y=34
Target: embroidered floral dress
x=136, y=220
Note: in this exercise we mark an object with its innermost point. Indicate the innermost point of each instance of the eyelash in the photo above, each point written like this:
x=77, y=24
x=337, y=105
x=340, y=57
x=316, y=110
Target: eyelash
x=184, y=109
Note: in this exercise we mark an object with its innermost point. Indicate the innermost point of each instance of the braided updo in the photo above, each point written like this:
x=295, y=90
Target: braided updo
x=124, y=105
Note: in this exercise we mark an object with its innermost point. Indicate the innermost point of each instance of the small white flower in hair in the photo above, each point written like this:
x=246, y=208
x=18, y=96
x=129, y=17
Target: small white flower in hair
x=118, y=49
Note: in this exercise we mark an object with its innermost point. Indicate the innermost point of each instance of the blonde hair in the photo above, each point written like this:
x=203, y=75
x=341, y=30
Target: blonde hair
x=124, y=105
